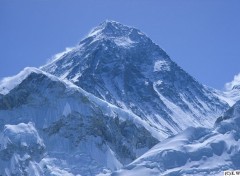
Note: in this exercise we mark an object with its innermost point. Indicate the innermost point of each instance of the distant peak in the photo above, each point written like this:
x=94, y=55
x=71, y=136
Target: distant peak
x=235, y=84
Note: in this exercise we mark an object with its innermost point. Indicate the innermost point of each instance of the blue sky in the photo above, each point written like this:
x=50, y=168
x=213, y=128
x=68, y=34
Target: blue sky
x=202, y=36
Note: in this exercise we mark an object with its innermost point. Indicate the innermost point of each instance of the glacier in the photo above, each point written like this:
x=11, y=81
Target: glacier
x=195, y=151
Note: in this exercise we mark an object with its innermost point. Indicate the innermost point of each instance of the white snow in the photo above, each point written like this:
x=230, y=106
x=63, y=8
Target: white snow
x=146, y=83
x=24, y=134
x=23, y=147
x=235, y=82
x=158, y=83
x=75, y=78
x=177, y=113
x=94, y=32
x=230, y=96
x=161, y=65
x=99, y=29
x=185, y=154
x=195, y=151
x=124, y=41
x=64, y=75
x=9, y=83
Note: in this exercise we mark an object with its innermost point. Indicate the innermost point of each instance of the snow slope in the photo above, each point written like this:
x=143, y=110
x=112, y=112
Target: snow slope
x=22, y=152
x=21, y=149
x=86, y=134
x=195, y=151
x=122, y=66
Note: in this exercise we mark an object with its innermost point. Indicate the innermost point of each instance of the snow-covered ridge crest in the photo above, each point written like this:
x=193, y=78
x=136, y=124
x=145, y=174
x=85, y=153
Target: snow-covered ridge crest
x=61, y=103
x=9, y=83
x=125, y=115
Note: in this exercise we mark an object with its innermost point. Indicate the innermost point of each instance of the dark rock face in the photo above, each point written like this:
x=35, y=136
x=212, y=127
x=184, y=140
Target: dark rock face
x=123, y=137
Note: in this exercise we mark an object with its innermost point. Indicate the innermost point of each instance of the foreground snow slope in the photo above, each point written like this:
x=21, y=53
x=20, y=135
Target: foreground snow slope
x=195, y=151
x=88, y=134
x=21, y=150
x=121, y=65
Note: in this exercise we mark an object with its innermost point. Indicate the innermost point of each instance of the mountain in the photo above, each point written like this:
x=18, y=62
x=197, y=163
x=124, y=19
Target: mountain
x=100, y=106
x=74, y=132
x=195, y=151
x=122, y=66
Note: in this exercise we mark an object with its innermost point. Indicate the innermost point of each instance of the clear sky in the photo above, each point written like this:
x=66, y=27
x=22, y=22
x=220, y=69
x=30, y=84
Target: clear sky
x=202, y=36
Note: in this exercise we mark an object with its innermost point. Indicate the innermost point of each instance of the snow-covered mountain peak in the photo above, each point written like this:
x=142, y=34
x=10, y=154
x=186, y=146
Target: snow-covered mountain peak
x=107, y=27
x=115, y=29
x=121, y=35
x=124, y=67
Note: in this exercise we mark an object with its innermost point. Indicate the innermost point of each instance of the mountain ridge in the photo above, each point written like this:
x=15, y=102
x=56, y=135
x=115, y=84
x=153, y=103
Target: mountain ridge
x=72, y=121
